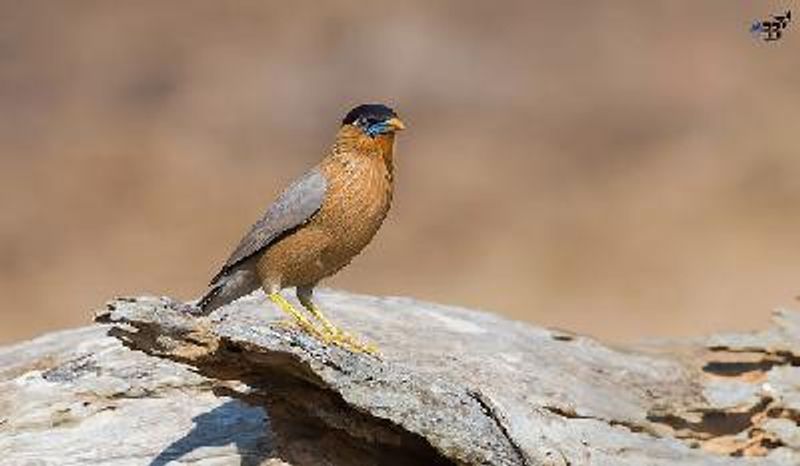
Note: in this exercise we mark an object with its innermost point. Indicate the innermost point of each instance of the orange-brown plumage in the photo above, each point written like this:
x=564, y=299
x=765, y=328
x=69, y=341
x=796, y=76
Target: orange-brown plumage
x=359, y=193
x=320, y=222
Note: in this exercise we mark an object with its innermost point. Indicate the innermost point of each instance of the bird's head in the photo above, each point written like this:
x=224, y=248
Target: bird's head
x=374, y=120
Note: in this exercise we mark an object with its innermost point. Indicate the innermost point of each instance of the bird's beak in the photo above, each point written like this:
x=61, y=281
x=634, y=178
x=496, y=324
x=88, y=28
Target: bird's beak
x=396, y=124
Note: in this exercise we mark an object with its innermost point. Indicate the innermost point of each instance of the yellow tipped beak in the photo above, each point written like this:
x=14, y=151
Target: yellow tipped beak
x=396, y=124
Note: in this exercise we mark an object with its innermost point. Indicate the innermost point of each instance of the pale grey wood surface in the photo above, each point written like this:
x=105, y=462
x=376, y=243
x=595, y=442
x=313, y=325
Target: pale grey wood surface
x=453, y=386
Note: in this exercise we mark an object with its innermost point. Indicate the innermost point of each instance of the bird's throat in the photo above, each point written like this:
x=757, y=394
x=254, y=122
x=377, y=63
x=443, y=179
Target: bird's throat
x=352, y=141
x=384, y=144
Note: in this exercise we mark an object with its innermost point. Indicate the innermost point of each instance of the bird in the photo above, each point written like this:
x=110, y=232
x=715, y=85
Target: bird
x=317, y=225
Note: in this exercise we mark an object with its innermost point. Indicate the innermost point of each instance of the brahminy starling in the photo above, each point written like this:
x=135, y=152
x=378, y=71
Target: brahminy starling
x=318, y=224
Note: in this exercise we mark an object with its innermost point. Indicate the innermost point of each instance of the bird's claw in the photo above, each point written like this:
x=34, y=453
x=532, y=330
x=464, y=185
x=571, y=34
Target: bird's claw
x=331, y=336
x=304, y=326
x=349, y=342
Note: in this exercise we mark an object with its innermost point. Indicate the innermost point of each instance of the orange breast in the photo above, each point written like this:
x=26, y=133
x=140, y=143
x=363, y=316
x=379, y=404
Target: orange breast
x=357, y=200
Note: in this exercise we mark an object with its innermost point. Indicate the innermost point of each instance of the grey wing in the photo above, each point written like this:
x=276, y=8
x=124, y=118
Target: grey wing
x=294, y=207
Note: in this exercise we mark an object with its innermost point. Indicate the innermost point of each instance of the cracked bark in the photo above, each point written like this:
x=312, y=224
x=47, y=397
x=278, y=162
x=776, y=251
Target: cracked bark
x=461, y=387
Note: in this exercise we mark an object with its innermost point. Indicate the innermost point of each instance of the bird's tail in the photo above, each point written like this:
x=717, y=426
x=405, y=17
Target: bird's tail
x=205, y=303
x=228, y=288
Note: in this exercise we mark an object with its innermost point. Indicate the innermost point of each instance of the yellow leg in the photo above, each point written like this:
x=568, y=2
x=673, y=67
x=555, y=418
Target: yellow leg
x=327, y=324
x=336, y=336
x=301, y=320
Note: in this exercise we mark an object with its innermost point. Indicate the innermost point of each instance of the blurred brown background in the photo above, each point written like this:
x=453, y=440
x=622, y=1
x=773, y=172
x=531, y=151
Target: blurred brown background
x=623, y=169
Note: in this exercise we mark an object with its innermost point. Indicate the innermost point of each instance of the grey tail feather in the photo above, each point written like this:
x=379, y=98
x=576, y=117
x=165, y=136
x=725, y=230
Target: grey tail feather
x=206, y=300
x=219, y=275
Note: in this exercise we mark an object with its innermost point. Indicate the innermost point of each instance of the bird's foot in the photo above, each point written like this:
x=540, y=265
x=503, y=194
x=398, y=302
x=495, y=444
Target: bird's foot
x=297, y=318
x=333, y=335
x=294, y=324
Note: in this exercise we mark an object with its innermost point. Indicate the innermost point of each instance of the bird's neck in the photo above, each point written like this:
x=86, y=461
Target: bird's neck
x=351, y=141
x=385, y=147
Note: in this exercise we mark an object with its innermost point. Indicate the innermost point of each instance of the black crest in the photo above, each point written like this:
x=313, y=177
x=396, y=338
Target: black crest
x=369, y=112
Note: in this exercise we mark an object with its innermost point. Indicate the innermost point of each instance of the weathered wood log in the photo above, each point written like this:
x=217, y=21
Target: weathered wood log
x=80, y=397
x=452, y=386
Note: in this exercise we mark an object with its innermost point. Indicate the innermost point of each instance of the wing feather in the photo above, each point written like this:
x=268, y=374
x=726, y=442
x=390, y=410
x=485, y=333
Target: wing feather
x=294, y=207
